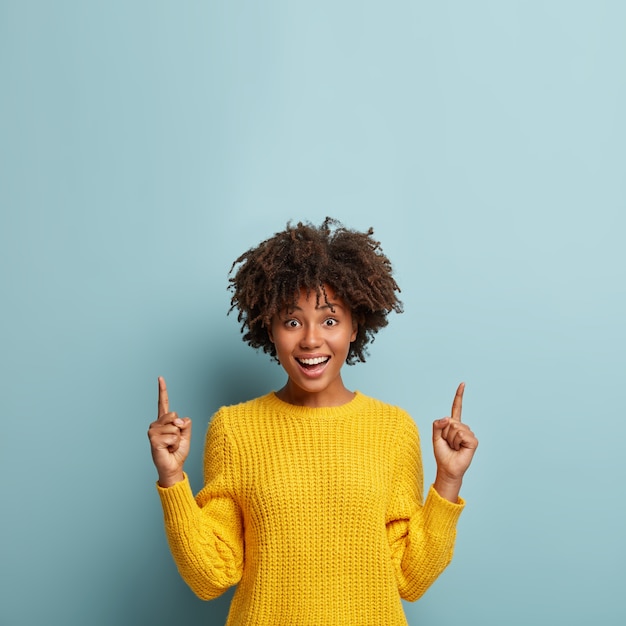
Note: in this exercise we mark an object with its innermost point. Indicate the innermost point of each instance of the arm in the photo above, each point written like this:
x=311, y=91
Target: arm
x=205, y=534
x=421, y=534
x=422, y=537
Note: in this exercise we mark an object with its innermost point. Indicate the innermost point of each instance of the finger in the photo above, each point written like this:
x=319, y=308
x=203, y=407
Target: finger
x=456, y=442
x=461, y=437
x=449, y=430
x=457, y=404
x=170, y=442
x=173, y=441
x=185, y=429
x=438, y=427
x=164, y=403
x=158, y=429
x=168, y=418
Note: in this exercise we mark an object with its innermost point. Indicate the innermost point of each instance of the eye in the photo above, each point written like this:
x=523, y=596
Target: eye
x=330, y=322
x=292, y=323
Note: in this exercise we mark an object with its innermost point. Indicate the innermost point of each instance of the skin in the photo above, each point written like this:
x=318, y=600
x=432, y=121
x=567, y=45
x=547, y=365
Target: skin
x=454, y=445
x=170, y=437
x=316, y=330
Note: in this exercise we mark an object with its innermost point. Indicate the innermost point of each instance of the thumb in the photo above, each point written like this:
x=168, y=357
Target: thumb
x=439, y=426
x=185, y=429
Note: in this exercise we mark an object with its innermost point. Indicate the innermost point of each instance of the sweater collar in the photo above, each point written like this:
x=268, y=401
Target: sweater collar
x=327, y=412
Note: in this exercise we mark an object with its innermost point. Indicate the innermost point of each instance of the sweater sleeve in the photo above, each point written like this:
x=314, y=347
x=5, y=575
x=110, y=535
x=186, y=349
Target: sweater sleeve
x=421, y=534
x=205, y=533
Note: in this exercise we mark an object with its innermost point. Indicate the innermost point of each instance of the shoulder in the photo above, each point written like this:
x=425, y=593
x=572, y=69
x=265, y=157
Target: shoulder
x=374, y=404
x=235, y=424
x=392, y=413
x=241, y=412
x=247, y=405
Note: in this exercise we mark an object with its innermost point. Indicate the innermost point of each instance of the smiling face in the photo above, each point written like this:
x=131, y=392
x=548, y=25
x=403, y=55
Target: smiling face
x=312, y=341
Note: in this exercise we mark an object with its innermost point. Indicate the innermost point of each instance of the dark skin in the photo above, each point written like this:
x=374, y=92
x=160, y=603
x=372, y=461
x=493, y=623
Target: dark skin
x=454, y=445
x=170, y=437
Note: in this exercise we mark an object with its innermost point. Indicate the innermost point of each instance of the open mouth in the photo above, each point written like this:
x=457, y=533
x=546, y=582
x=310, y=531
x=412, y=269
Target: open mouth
x=313, y=363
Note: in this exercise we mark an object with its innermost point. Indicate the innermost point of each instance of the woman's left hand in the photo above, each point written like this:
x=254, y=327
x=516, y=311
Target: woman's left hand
x=454, y=445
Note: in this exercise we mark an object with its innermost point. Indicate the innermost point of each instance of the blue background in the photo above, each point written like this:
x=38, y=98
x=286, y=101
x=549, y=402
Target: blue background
x=144, y=145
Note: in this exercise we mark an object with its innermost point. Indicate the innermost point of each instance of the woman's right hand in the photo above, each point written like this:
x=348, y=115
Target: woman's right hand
x=170, y=437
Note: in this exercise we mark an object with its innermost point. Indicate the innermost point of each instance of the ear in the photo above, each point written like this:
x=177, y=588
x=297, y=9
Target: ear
x=269, y=333
x=355, y=330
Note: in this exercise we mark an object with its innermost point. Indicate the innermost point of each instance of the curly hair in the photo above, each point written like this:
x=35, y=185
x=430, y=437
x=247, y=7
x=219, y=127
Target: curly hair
x=271, y=276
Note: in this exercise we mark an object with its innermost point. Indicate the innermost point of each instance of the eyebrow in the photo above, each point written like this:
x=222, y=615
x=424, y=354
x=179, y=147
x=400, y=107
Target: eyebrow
x=329, y=305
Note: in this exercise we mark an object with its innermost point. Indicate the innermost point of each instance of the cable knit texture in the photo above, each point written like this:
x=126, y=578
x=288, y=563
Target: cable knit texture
x=316, y=514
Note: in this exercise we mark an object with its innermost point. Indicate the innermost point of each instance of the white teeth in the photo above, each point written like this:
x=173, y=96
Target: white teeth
x=316, y=361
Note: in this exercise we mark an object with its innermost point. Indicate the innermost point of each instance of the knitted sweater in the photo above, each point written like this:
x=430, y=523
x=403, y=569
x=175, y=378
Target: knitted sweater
x=316, y=513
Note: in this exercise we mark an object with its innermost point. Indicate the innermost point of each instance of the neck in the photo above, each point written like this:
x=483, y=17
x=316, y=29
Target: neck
x=292, y=394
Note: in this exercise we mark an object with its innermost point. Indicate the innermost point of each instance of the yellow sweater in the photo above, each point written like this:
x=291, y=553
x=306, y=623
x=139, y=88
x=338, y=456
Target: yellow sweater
x=318, y=514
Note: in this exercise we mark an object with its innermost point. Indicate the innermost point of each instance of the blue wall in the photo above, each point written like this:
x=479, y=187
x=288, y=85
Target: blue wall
x=144, y=145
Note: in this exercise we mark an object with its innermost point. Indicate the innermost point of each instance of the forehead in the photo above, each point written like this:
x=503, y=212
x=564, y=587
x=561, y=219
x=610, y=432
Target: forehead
x=321, y=298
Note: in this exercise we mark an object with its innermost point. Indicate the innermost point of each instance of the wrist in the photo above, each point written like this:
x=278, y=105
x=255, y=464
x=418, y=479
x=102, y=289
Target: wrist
x=448, y=487
x=170, y=480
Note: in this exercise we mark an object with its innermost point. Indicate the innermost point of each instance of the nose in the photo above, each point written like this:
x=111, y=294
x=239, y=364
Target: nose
x=311, y=337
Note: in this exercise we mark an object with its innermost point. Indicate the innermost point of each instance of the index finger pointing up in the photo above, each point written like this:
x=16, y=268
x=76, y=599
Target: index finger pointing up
x=164, y=403
x=457, y=403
